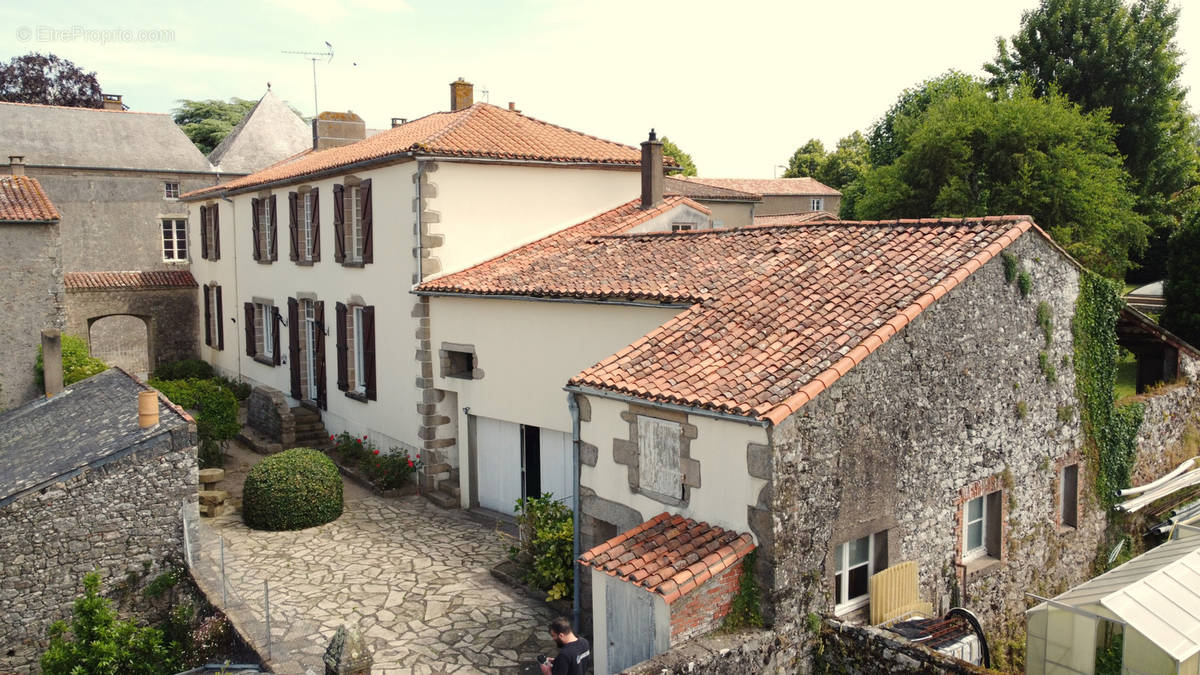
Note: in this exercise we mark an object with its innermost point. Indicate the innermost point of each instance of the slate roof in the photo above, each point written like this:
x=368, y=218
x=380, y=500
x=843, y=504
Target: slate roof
x=669, y=555
x=86, y=424
x=271, y=131
x=480, y=131
x=776, y=315
x=770, y=186
x=793, y=218
x=695, y=190
x=88, y=281
x=22, y=200
x=90, y=137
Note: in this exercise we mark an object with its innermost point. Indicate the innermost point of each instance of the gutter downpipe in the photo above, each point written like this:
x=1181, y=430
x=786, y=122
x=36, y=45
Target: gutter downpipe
x=236, y=294
x=576, y=609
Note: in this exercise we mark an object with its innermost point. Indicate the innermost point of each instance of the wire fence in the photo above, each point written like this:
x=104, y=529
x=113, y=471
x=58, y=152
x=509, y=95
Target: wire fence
x=289, y=643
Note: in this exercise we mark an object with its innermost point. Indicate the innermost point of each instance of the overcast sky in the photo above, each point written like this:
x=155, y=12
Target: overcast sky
x=739, y=85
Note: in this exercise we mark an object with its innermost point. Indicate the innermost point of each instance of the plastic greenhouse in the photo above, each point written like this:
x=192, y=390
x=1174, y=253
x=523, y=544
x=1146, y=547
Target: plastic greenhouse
x=1142, y=617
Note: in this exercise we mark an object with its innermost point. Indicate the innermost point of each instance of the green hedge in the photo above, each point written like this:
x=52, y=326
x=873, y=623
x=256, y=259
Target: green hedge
x=188, y=369
x=216, y=406
x=77, y=363
x=293, y=490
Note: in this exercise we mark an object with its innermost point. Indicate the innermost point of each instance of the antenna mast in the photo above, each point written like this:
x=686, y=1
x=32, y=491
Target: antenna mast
x=314, y=57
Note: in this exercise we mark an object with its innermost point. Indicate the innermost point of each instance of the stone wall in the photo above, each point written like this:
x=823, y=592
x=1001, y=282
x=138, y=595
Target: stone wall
x=31, y=300
x=1170, y=431
x=173, y=330
x=863, y=650
x=120, y=519
x=739, y=653
x=955, y=401
x=268, y=413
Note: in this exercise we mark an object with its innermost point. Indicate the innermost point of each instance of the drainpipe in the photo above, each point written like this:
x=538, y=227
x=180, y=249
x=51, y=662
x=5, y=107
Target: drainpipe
x=574, y=408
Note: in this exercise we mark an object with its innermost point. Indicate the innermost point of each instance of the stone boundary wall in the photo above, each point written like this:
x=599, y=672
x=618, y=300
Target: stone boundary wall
x=120, y=519
x=867, y=650
x=1170, y=431
x=268, y=413
x=760, y=651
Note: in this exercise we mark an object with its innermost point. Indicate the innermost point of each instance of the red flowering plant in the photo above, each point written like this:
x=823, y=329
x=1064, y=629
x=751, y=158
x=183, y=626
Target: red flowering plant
x=353, y=450
x=392, y=469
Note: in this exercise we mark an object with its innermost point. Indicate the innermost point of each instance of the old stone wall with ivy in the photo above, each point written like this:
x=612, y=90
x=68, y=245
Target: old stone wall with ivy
x=1170, y=430
x=977, y=394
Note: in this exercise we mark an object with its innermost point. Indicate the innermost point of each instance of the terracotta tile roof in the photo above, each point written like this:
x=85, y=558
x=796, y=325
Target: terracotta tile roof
x=695, y=190
x=669, y=555
x=22, y=200
x=95, y=281
x=481, y=131
x=777, y=313
x=770, y=186
x=793, y=218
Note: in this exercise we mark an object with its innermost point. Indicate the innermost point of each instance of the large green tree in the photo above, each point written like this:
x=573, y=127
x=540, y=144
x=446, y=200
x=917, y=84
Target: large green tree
x=208, y=122
x=684, y=159
x=888, y=137
x=1182, y=288
x=977, y=154
x=806, y=160
x=48, y=79
x=1122, y=58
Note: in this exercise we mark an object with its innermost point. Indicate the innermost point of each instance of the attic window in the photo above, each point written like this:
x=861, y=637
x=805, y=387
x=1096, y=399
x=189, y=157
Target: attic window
x=170, y=190
x=681, y=227
x=460, y=364
x=818, y=204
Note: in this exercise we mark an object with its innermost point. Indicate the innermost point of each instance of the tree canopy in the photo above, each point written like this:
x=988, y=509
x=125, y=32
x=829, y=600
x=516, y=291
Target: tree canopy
x=208, y=122
x=888, y=137
x=50, y=80
x=806, y=160
x=684, y=159
x=1181, y=291
x=976, y=154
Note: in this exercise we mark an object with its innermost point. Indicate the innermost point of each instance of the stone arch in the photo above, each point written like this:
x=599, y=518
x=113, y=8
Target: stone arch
x=123, y=340
x=170, y=317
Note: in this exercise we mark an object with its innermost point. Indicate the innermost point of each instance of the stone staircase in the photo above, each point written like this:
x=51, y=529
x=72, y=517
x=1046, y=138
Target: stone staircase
x=442, y=485
x=310, y=430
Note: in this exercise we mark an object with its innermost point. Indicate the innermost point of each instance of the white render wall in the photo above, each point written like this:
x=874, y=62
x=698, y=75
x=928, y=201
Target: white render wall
x=726, y=487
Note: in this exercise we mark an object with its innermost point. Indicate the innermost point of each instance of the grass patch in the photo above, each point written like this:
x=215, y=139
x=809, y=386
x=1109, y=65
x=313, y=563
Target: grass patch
x=1126, y=384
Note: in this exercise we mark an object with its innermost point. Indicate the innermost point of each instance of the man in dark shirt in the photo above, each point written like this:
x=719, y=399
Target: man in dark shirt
x=572, y=650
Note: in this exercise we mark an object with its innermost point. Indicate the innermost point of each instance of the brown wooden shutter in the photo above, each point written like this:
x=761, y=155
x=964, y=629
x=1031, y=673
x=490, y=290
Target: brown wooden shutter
x=319, y=353
x=368, y=331
x=207, y=314
x=254, y=228
x=340, y=328
x=274, y=252
x=339, y=223
x=215, y=212
x=294, y=340
x=203, y=232
x=364, y=195
x=251, y=348
x=220, y=320
x=316, y=226
x=276, y=320
x=294, y=225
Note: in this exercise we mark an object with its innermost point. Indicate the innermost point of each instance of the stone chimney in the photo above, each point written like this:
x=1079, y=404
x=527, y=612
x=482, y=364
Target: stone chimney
x=652, y=172
x=335, y=129
x=52, y=368
x=512, y=105
x=16, y=165
x=397, y=121
x=112, y=102
x=462, y=94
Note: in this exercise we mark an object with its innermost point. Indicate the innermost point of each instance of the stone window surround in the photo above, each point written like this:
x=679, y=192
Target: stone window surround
x=1067, y=459
x=348, y=215
x=627, y=451
x=352, y=331
x=444, y=361
x=981, y=488
x=264, y=228
x=259, y=341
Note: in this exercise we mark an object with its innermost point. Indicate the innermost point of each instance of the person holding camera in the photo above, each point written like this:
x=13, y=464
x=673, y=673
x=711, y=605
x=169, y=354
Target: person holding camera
x=572, y=650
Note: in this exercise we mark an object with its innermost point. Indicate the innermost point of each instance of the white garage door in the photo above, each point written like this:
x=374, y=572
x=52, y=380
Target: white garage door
x=556, y=465
x=498, y=463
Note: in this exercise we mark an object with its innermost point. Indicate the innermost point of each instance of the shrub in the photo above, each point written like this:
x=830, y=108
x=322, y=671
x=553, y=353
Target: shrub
x=293, y=490
x=240, y=390
x=187, y=369
x=209, y=454
x=548, y=538
x=77, y=363
x=216, y=407
x=391, y=470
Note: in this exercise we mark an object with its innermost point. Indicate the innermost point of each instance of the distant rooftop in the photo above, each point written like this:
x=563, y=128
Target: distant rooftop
x=87, y=424
x=697, y=190
x=22, y=200
x=271, y=131
x=770, y=186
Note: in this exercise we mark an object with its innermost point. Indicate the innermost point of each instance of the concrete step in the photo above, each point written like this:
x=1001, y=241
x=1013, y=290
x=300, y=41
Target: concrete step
x=304, y=427
x=443, y=499
x=316, y=435
x=451, y=488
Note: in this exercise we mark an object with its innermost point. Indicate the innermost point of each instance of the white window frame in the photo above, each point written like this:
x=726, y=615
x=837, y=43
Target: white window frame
x=170, y=190
x=818, y=203
x=356, y=229
x=681, y=227
x=264, y=223
x=267, y=313
x=308, y=214
x=177, y=239
x=971, y=553
x=360, y=379
x=842, y=568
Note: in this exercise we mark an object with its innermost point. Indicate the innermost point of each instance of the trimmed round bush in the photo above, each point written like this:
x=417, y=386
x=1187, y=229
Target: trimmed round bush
x=293, y=490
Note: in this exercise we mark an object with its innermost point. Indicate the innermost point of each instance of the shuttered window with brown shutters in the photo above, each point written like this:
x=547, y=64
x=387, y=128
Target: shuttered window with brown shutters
x=220, y=321
x=255, y=226
x=294, y=342
x=367, y=333
x=339, y=223
x=366, y=251
x=251, y=338
x=274, y=230
x=319, y=353
x=214, y=231
x=294, y=225
x=315, y=238
x=208, y=336
x=203, y=232
x=275, y=322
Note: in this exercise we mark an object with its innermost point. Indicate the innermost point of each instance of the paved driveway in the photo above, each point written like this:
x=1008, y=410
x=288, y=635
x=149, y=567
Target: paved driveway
x=412, y=577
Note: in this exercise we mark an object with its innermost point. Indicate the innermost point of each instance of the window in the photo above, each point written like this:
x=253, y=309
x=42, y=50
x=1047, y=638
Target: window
x=356, y=225
x=981, y=527
x=360, y=372
x=306, y=250
x=1069, y=496
x=264, y=219
x=170, y=190
x=460, y=364
x=355, y=326
x=659, y=469
x=681, y=227
x=174, y=239
x=818, y=204
x=352, y=223
x=210, y=232
x=214, y=330
x=854, y=563
x=266, y=318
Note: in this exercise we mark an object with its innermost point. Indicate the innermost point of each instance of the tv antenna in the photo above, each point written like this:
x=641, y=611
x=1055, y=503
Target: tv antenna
x=314, y=57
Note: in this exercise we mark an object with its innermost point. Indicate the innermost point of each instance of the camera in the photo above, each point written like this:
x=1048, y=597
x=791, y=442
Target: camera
x=541, y=659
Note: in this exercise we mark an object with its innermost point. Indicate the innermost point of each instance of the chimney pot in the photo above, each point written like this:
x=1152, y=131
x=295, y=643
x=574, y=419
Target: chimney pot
x=147, y=408
x=52, y=367
x=112, y=102
x=462, y=95
x=512, y=105
x=652, y=172
x=16, y=165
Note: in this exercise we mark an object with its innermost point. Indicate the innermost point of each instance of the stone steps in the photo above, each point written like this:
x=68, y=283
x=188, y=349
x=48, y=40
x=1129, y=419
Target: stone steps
x=451, y=488
x=442, y=499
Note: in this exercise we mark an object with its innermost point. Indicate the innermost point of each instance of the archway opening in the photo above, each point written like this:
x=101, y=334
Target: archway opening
x=121, y=340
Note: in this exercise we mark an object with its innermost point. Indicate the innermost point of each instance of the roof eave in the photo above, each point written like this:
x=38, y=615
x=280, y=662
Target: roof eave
x=755, y=421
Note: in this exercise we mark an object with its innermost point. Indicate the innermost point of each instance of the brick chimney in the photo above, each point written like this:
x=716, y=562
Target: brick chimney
x=652, y=172
x=512, y=105
x=462, y=94
x=335, y=129
x=112, y=102
x=16, y=165
x=52, y=368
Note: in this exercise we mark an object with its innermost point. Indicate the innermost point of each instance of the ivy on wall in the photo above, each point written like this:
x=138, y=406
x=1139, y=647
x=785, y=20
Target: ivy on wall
x=1110, y=431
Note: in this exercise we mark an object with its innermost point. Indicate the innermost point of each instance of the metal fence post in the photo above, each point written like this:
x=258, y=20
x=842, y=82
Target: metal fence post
x=267, y=601
x=224, y=594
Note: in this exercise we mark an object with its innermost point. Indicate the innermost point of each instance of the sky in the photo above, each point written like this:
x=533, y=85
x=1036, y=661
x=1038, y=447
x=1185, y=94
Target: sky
x=738, y=85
